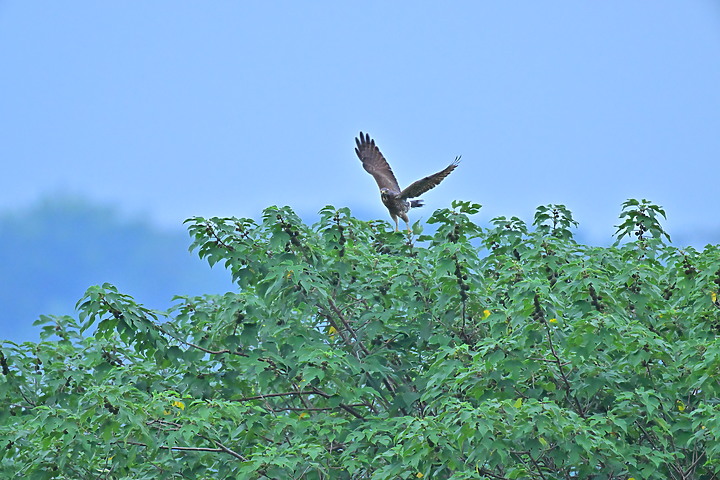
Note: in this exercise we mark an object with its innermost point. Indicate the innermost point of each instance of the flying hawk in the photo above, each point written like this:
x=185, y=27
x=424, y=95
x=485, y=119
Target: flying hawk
x=396, y=200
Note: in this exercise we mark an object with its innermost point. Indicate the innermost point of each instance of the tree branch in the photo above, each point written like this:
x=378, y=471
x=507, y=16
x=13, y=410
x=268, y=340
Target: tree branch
x=568, y=389
x=220, y=447
x=269, y=395
x=213, y=232
x=347, y=326
x=344, y=406
x=179, y=449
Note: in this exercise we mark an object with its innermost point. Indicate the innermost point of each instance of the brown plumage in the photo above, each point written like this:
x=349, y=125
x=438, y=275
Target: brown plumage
x=396, y=200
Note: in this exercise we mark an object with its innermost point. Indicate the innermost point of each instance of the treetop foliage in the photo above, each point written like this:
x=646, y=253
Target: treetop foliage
x=350, y=351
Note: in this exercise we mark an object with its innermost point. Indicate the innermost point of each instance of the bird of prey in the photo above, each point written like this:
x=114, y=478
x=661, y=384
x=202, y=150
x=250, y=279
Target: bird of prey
x=396, y=200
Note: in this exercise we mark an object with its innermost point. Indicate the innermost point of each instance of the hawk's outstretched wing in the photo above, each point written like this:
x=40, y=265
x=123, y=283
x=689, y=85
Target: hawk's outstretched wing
x=375, y=164
x=424, y=184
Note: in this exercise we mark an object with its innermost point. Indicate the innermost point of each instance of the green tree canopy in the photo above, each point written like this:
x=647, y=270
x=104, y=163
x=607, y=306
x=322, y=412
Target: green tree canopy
x=352, y=352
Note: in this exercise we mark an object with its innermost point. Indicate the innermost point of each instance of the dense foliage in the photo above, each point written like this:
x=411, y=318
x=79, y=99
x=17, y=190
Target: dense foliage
x=351, y=351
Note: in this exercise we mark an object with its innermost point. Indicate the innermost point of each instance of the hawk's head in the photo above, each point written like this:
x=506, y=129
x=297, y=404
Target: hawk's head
x=387, y=193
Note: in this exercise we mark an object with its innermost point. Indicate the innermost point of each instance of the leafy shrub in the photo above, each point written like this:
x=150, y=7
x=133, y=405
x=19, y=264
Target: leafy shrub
x=350, y=351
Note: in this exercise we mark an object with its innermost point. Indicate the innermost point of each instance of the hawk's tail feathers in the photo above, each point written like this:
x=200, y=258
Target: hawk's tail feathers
x=416, y=203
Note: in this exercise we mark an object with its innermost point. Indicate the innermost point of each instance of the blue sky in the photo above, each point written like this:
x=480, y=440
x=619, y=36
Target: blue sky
x=172, y=109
